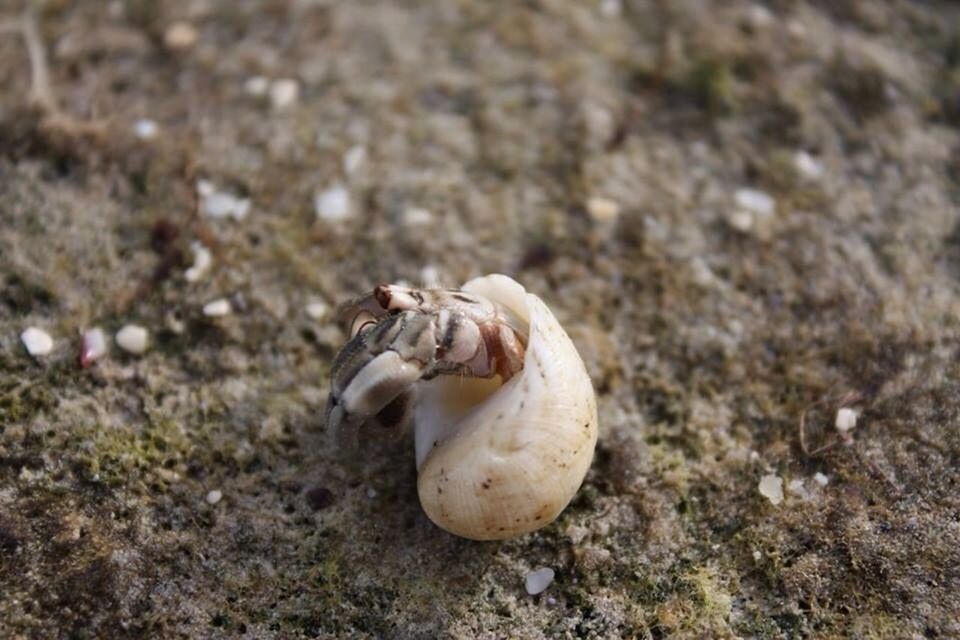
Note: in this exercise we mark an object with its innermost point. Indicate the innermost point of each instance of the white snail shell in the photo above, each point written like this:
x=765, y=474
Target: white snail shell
x=497, y=461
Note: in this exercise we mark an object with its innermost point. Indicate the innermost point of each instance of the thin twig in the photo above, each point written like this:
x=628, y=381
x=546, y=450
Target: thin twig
x=41, y=92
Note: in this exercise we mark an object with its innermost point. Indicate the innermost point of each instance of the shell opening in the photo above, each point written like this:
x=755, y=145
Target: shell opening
x=441, y=405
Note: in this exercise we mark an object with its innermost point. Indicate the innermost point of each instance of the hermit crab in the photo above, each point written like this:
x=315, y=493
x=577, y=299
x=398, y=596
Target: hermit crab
x=503, y=411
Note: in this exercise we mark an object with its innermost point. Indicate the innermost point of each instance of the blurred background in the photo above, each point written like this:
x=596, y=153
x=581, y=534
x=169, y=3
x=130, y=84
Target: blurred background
x=744, y=213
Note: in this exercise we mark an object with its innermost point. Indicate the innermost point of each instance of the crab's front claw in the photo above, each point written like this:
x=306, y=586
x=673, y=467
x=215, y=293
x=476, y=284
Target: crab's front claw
x=382, y=384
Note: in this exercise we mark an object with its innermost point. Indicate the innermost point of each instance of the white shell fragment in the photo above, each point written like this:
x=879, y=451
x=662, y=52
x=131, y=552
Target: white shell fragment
x=537, y=581
x=205, y=188
x=93, y=346
x=611, y=8
x=220, y=204
x=146, y=129
x=755, y=201
x=354, y=158
x=753, y=208
x=417, y=217
x=284, y=92
x=180, y=35
x=217, y=308
x=741, y=220
x=846, y=420
x=807, y=166
x=760, y=17
x=510, y=462
x=332, y=205
x=317, y=309
x=202, y=260
x=771, y=488
x=603, y=210
x=257, y=86
x=214, y=496
x=133, y=339
x=37, y=341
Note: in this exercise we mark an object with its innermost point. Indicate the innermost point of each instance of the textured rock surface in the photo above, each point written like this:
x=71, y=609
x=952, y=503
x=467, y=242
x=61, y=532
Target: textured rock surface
x=722, y=344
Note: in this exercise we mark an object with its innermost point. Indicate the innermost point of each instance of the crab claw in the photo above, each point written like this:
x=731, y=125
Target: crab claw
x=372, y=390
x=374, y=374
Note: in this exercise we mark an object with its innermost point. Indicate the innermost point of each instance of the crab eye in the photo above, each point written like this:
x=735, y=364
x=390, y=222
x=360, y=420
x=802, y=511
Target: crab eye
x=363, y=322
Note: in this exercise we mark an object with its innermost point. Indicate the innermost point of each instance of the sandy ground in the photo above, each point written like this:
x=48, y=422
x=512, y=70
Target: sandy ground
x=745, y=214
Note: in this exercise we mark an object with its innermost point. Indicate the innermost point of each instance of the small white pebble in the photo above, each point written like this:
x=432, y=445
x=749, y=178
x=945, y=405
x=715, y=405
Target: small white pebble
x=846, y=420
x=180, y=35
x=37, y=341
x=807, y=166
x=755, y=201
x=241, y=209
x=611, y=8
x=205, y=188
x=354, y=158
x=754, y=456
x=603, y=210
x=701, y=272
x=146, y=129
x=133, y=339
x=332, y=205
x=93, y=346
x=417, y=217
x=217, y=308
x=284, y=92
x=753, y=209
x=256, y=86
x=214, y=496
x=599, y=122
x=760, y=17
x=771, y=488
x=371, y=493
x=796, y=488
x=169, y=475
x=741, y=220
x=757, y=556
x=202, y=259
x=821, y=479
x=220, y=204
x=551, y=601
x=538, y=581
x=796, y=30
x=317, y=310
